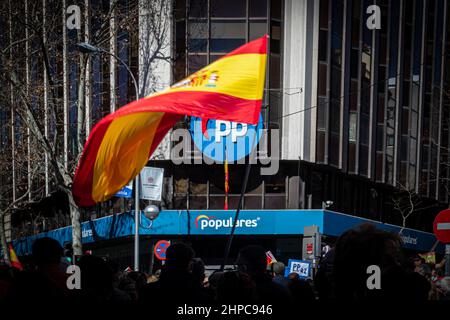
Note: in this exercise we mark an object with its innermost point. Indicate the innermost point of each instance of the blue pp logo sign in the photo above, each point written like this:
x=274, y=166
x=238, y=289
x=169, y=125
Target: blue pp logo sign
x=215, y=138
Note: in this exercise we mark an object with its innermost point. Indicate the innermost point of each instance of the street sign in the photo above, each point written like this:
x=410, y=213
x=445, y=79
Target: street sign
x=126, y=191
x=151, y=183
x=441, y=226
x=302, y=268
x=160, y=249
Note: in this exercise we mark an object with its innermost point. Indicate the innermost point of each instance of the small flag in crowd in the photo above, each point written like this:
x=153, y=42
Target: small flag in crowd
x=13, y=257
x=270, y=258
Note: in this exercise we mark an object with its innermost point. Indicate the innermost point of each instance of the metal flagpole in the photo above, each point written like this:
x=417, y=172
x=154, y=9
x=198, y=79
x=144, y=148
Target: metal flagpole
x=238, y=210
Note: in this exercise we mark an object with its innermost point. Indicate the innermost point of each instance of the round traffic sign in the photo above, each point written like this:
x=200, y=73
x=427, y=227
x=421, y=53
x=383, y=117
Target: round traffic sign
x=160, y=249
x=441, y=226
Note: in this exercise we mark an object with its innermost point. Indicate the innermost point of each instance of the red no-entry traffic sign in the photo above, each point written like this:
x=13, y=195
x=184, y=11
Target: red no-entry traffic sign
x=160, y=249
x=441, y=226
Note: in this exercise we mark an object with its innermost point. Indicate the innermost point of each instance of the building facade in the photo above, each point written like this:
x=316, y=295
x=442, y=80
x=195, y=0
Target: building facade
x=361, y=113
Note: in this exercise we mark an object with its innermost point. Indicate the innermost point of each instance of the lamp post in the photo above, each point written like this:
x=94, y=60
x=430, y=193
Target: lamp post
x=85, y=47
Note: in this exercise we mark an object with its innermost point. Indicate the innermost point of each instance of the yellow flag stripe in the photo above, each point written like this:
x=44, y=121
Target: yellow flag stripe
x=129, y=139
x=241, y=76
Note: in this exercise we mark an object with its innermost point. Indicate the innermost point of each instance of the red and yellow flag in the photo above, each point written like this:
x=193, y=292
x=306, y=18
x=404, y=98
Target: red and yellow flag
x=120, y=145
x=13, y=258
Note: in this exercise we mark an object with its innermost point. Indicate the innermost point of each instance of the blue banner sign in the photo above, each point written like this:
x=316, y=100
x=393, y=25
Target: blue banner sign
x=219, y=222
x=126, y=191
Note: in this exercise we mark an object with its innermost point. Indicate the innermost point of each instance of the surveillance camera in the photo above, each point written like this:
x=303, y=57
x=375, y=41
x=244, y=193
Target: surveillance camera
x=329, y=203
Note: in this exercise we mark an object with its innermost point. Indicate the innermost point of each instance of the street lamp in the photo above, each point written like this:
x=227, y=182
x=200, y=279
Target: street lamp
x=88, y=48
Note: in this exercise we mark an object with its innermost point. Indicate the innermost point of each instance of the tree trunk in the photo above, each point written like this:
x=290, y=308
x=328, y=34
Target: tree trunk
x=76, y=226
x=4, y=244
x=81, y=121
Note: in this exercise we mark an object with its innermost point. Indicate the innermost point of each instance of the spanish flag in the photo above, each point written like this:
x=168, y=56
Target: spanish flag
x=120, y=145
x=13, y=258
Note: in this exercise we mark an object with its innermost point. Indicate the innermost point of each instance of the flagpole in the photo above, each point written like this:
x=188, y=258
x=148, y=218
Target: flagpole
x=241, y=197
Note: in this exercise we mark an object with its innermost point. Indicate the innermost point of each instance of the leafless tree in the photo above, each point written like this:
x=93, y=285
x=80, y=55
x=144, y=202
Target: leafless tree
x=37, y=37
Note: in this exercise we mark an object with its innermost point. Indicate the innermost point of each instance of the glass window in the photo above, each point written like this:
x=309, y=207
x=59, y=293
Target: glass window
x=380, y=136
x=198, y=33
x=322, y=81
x=324, y=14
x=275, y=75
x=229, y=8
x=198, y=8
x=412, y=151
x=275, y=36
x=352, y=157
x=363, y=159
x=323, y=44
x=227, y=35
x=257, y=29
x=352, y=127
x=257, y=8
x=275, y=9
x=196, y=62
x=320, y=146
x=320, y=112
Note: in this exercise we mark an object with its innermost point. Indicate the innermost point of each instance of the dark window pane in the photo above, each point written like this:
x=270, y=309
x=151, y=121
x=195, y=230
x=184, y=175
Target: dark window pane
x=354, y=63
x=381, y=105
x=320, y=146
x=323, y=44
x=363, y=160
x=354, y=95
x=198, y=32
x=229, y=8
x=324, y=14
x=215, y=57
x=334, y=149
x=196, y=62
x=275, y=9
x=322, y=81
x=404, y=149
x=335, y=116
x=274, y=80
x=320, y=113
x=351, y=157
x=198, y=45
x=257, y=8
x=380, y=138
x=405, y=121
x=352, y=133
x=275, y=37
x=198, y=8
x=180, y=9
x=364, y=129
x=379, y=167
